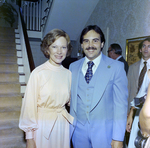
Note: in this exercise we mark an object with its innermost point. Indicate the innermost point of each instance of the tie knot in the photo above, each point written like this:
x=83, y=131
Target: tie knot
x=145, y=63
x=90, y=64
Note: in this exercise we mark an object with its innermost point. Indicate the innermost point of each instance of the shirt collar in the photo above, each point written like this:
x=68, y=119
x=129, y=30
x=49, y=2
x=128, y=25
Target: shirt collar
x=96, y=61
x=142, y=61
x=119, y=57
x=148, y=61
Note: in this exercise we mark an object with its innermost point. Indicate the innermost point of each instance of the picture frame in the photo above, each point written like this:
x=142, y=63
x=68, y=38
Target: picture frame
x=132, y=49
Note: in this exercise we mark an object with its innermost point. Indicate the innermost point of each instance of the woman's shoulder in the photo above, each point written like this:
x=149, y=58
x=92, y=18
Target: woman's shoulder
x=66, y=70
x=38, y=69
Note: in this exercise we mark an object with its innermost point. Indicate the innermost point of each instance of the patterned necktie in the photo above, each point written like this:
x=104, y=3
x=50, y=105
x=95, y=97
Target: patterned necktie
x=142, y=74
x=89, y=72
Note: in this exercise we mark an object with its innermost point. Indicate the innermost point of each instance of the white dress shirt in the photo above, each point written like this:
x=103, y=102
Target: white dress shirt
x=119, y=57
x=146, y=80
x=95, y=61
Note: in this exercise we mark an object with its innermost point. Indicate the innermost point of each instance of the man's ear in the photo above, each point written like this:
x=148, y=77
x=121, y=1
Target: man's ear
x=82, y=46
x=102, y=44
x=140, y=50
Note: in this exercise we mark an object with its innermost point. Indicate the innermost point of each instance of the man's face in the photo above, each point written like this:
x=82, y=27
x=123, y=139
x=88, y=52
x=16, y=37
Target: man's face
x=111, y=53
x=92, y=45
x=145, y=50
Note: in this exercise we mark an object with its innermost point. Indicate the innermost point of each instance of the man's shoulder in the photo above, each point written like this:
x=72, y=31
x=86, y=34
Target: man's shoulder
x=111, y=61
x=133, y=68
x=114, y=64
x=135, y=64
x=122, y=59
x=77, y=63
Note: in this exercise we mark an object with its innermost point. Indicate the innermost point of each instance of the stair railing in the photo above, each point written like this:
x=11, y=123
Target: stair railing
x=32, y=14
x=25, y=46
x=35, y=14
x=45, y=15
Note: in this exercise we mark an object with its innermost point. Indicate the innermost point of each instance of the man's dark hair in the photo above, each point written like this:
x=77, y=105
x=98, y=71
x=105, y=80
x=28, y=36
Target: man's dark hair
x=141, y=44
x=117, y=48
x=96, y=29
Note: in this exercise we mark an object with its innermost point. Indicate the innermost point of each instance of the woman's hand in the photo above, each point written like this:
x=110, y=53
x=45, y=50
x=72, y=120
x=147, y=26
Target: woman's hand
x=30, y=143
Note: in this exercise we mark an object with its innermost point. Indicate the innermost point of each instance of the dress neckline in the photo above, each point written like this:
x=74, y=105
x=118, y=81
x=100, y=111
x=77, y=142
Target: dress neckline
x=56, y=68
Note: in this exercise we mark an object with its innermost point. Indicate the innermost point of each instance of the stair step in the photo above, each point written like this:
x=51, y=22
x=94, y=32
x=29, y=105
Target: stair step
x=10, y=97
x=10, y=41
x=11, y=132
x=7, y=31
x=5, y=36
x=10, y=102
x=9, y=120
x=9, y=50
x=7, y=124
x=9, y=77
x=8, y=116
x=7, y=39
x=7, y=46
x=8, y=67
x=7, y=58
x=13, y=142
x=12, y=33
x=9, y=88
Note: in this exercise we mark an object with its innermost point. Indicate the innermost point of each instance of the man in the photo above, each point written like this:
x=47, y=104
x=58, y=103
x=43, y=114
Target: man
x=115, y=52
x=98, y=96
x=137, y=88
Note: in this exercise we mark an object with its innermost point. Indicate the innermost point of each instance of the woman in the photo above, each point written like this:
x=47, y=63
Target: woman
x=43, y=117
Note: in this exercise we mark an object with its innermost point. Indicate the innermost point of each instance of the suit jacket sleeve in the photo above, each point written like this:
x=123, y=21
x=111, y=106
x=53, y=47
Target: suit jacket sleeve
x=132, y=76
x=120, y=95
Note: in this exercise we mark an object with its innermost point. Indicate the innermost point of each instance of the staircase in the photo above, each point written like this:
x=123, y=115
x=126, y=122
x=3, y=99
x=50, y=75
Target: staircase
x=10, y=97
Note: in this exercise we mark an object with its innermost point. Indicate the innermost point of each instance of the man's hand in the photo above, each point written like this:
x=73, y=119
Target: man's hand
x=129, y=123
x=116, y=144
x=130, y=120
x=30, y=143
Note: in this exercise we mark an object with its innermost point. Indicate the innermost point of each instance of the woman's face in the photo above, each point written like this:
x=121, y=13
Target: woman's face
x=58, y=51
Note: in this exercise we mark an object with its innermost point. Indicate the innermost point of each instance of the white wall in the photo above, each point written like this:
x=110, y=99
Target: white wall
x=125, y=19
x=38, y=55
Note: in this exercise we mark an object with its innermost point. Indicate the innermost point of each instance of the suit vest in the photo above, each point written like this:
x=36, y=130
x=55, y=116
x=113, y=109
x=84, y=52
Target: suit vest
x=85, y=97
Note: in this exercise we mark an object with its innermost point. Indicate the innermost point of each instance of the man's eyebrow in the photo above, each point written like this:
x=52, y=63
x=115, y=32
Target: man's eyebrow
x=85, y=39
x=96, y=39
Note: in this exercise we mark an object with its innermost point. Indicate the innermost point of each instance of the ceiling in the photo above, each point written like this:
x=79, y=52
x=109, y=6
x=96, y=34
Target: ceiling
x=70, y=15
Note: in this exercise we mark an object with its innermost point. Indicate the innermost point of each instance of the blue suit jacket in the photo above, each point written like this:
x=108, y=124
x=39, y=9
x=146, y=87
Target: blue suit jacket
x=108, y=111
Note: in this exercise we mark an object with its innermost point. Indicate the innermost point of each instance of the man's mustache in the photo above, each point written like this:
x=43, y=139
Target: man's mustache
x=93, y=48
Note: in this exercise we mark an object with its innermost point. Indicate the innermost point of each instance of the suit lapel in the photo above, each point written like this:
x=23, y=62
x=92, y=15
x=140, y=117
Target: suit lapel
x=103, y=77
x=136, y=72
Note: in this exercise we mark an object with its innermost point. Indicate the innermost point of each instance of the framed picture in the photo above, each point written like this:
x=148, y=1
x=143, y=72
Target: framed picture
x=132, y=49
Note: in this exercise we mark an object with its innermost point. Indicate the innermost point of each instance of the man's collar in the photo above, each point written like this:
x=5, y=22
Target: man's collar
x=96, y=61
x=119, y=57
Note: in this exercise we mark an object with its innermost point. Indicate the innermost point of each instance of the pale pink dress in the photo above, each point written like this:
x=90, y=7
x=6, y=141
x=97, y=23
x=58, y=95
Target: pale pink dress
x=43, y=114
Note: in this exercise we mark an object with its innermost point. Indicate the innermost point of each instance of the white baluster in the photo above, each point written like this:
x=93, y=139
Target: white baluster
x=28, y=8
x=31, y=15
x=40, y=10
x=34, y=16
x=37, y=15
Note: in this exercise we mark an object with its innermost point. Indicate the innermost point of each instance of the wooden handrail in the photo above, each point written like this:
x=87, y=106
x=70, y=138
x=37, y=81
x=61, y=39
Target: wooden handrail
x=29, y=52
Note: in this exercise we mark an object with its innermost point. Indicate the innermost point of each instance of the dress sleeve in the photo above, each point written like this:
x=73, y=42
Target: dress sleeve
x=28, y=116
